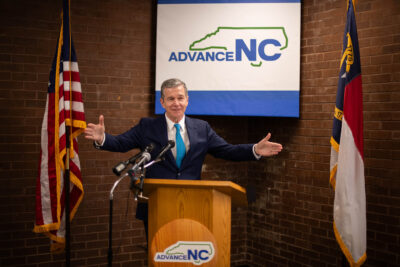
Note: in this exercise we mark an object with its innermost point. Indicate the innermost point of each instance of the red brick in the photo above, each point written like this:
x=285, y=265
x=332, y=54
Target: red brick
x=291, y=221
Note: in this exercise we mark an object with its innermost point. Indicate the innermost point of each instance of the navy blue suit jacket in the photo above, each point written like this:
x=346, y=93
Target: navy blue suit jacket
x=202, y=138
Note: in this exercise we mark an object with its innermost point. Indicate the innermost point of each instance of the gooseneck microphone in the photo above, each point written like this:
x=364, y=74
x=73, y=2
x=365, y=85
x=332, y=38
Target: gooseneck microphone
x=160, y=156
x=164, y=150
x=144, y=158
x=120, y=167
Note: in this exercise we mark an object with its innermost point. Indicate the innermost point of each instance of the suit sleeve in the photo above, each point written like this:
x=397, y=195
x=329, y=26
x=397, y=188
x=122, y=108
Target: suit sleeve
x=219, y=148
x=131, y=139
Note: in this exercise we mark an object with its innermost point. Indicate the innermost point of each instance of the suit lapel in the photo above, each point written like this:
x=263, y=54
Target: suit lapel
x=162, y=126
x=191, y=129
x=163, y=130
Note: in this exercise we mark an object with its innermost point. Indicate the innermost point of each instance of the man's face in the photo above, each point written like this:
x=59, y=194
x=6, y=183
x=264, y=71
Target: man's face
x=175, y=102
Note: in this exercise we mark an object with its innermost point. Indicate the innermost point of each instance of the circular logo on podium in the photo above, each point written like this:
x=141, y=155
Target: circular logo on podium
x=184, y=241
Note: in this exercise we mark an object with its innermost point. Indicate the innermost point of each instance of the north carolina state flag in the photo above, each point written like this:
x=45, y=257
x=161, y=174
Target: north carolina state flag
x=347, y=153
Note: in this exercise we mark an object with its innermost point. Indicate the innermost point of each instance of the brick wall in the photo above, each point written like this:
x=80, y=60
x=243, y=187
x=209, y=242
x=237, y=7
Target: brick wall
x=290, y=222
x=114, y=41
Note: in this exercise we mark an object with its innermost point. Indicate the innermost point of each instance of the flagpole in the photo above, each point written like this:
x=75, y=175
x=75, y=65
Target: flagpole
x=67, y=209
x=68, y=151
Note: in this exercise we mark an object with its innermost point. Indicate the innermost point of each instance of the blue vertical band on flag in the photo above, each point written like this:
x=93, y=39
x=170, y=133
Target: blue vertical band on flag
x=351, y=55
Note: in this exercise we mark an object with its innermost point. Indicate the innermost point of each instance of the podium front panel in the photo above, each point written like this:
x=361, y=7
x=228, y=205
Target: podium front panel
x=209, y=207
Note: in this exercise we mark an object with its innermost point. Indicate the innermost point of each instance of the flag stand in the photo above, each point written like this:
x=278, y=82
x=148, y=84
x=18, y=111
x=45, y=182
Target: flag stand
x=66, y=208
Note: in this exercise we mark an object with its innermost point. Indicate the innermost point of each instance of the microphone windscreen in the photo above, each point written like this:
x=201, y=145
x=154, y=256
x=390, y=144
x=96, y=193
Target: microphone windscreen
x=119, y=168
x=150, y=147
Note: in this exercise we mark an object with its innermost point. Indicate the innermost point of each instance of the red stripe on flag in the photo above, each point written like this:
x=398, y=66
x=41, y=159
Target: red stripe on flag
x=80, y=116
x=75, y=76
x=63, y=142
x=76, y=96
x=353, y=111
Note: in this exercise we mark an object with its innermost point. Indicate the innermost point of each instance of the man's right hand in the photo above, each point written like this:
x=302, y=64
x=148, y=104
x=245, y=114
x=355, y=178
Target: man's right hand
x=95, y=132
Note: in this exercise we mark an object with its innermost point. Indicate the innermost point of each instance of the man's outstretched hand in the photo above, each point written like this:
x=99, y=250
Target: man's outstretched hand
x=266, y=148
x=95, y=132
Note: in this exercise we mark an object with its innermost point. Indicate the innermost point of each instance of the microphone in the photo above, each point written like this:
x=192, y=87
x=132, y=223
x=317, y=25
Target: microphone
x=164, y=150
x=146, y=151
x=120, y=167
x=144, y=157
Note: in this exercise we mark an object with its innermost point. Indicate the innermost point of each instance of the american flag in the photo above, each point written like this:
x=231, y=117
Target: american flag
x=64, y=107
x=347, y=152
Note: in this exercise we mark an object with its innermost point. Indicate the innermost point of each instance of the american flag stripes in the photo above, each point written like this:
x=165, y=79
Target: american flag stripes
x=64, y=107
x=347, y=153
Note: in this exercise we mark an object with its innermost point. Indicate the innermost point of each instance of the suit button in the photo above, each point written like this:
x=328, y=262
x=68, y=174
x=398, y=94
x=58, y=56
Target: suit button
x=178, y=175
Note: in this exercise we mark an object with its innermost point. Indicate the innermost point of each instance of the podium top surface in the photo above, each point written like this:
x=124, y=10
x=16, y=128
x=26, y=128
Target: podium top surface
x=237, y=193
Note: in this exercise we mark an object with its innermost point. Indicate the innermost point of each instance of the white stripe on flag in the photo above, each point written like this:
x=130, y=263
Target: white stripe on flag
x=61, y=104
x=349, y=206
x=75, y=159
x=61, y=129
x=74, y=66
x=44, y=177
x=76, y=106
x=76, y=86
x=61, y=80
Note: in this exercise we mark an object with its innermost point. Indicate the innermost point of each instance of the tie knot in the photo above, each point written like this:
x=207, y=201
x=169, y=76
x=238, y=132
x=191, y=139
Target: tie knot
x=177, y=126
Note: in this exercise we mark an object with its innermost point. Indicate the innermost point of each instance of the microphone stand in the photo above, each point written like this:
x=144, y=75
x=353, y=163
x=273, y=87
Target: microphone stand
x=134, y=173
x=138, y=183
x=110, y=256
x=131, y=173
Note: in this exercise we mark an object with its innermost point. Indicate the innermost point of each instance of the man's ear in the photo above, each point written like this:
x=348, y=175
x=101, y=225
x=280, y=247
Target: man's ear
x=162, y=102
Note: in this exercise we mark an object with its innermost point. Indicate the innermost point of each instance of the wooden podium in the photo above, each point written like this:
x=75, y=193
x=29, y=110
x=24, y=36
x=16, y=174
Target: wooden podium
x=184, y=214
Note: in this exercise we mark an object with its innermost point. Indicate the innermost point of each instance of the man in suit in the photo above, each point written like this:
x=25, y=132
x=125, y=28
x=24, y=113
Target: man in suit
x=194, y=138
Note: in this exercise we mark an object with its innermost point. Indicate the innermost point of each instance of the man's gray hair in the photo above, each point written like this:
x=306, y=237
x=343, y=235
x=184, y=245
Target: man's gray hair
x=172, y=83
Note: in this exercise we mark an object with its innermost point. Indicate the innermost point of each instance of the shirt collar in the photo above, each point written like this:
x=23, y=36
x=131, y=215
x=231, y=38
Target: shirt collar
x=170, y=124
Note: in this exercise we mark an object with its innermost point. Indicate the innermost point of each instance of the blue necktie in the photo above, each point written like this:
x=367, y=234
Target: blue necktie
x=180, y=146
